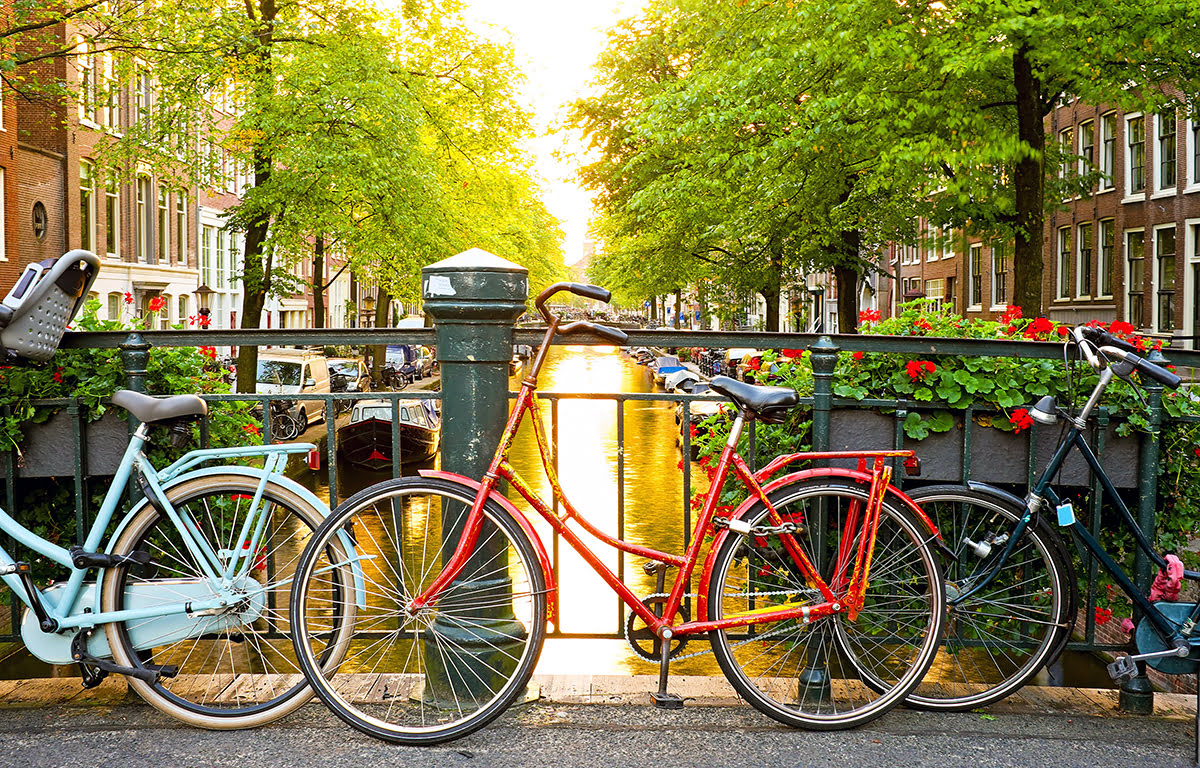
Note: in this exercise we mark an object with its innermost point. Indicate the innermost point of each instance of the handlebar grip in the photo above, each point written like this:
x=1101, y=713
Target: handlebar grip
x=590, y=292
x=1158, y=373
x=1105, y=339
x=612, y=334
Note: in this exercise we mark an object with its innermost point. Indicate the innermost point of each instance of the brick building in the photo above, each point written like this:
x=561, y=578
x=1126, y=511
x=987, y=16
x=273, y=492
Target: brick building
x=1129, y=251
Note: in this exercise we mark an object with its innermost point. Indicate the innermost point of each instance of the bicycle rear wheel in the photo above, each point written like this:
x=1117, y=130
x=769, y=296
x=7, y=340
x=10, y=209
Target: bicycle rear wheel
x=826, y=675
x=1000, y=638
x=453, y=666
x=236, y=667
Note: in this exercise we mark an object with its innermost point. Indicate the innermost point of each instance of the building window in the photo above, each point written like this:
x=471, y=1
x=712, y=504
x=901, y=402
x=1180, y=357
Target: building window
x=1000, y=275
x=112, y=219
x=1135, y=257
x=1066, y=144
x=1194, y=124
x=1064, y=263
x=182, y=317
x=1135, y=138
x=221, y=259
x=975, y=272
x=935, y=291
x=114, y=306
x=144, y=224
x=206, y=260
x=143, y=101
x=181, y=227
x=163, y=229
x=87, y=206
x=1166, y=150
x=1107, y=229
x=1083, y=269
x=1087, y=146
x=946, y=243
x=1108, y=149
x=1164, y=279
x=3, y=251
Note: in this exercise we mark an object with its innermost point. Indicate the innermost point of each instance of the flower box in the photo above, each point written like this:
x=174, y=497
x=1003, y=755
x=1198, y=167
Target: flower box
x=48, y=448
x=997, y=457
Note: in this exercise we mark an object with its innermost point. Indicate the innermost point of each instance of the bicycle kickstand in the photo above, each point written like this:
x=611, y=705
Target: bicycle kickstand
x=663, y=699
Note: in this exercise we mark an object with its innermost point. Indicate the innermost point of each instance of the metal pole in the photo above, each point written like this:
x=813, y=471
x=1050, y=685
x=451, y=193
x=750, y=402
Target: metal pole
x=474, y=298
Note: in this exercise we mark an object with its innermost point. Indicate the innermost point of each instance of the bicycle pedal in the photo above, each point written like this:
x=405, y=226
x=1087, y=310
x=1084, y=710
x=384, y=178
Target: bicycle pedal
x=667, y=700
x=1124, y=668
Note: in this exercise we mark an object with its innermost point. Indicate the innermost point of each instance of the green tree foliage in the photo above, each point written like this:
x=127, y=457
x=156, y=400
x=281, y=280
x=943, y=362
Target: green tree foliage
x=770, y=139
x=391, y=139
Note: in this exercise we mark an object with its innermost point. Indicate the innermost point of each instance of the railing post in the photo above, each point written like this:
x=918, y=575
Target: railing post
x=1137, y=695
x=474, y=298
x=824, y=360
x=815, y=676
x=135, y=356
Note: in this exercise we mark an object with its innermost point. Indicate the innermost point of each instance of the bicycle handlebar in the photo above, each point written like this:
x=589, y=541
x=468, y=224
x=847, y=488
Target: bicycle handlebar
x=588, y=292
x=1091, y=340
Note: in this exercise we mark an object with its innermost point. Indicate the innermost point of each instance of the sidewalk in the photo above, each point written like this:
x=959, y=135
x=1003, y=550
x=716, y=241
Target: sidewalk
x=603, y=721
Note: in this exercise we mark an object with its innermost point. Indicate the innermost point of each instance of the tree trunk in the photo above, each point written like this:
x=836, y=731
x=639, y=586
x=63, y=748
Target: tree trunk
x=770, y=295
x=702, y=290
x=1029, y=178
x=318, y=284
x=846, y=272
x=678, y=307
x=379, y=351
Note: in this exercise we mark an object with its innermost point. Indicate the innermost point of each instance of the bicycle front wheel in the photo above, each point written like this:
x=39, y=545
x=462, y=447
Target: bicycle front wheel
x=998, y=638
x=236, y=666
x=453, y=666
x=832, y=672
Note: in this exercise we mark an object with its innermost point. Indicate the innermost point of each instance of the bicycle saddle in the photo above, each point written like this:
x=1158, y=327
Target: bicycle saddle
x=150, y=409
x=769, y=404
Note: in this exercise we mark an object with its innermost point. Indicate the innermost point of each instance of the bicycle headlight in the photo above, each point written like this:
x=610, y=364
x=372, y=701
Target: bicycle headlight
x=1045, y=412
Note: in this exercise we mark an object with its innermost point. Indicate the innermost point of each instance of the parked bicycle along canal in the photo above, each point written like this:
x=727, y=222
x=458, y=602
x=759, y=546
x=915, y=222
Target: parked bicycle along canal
x=653, y=500
x=654, y=504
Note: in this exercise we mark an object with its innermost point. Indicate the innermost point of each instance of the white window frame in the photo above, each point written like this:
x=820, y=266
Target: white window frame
x=1106, y=143
x=87, y=205
x=1086, y=164
x=1129, y=273
x=1063, y=258
x=946, y=243
x=1132, y=196
x=999, y=303
x=1192, y=148
x=1084, y=291
x=1191, y=246
x=974, y=273
x=112, y=222
x=1159, y=189
x=3, y=250
x=1155, y=279
x=1066, y=143
x=1101, y=268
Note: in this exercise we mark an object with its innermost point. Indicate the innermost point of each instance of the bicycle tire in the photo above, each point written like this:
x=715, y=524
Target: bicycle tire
x=807, y=675
x=284, y=427
x=233, y=673
x=1001, y=638
x=417, y=679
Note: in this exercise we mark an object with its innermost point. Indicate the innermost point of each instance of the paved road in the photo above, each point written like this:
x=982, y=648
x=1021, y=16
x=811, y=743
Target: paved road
x=131, y=735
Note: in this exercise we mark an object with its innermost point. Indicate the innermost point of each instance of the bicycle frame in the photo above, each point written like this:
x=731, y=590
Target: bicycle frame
x=1043, y=494
x=844, y=594
x=220, y=568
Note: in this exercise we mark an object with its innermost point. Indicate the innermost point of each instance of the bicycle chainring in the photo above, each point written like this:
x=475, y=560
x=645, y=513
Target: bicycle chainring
x=645, y=643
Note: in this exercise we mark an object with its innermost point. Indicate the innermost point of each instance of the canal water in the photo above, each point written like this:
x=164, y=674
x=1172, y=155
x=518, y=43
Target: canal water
x=587, y=465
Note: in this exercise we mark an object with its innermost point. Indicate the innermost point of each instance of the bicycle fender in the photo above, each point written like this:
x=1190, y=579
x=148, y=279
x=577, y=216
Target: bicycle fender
x=255, y=473
x=806, y=474
x=1001, y=495
x=526, y=526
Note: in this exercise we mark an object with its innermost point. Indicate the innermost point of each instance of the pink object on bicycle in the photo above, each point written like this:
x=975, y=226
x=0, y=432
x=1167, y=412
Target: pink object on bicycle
x=1166, y=583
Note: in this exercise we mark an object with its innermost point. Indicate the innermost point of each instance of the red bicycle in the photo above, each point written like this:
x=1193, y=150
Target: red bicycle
x=820, y=594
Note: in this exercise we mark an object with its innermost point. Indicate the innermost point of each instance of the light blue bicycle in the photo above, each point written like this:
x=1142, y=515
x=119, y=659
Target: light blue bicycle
x=189, y=596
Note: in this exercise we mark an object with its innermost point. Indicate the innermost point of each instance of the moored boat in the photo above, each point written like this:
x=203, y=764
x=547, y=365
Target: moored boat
x=366, y=440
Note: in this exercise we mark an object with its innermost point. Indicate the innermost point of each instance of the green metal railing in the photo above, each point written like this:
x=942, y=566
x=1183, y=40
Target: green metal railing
x=135, y=349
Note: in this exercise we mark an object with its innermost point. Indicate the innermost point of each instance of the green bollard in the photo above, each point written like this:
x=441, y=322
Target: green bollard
x=473, y=298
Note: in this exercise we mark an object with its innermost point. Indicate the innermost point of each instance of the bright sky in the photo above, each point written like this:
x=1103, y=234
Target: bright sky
x=556, y=43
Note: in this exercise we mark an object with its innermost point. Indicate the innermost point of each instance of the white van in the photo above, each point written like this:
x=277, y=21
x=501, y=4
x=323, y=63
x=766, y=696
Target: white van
x=295, y=372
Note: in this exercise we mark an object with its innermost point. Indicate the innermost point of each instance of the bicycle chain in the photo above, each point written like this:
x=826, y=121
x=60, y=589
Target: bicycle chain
x=694, y=654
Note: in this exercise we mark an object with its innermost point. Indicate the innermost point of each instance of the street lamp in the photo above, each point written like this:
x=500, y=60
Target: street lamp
x=203, y=297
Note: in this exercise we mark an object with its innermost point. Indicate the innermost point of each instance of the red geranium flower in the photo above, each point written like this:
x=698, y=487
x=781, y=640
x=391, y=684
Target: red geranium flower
x=128, y=298
x=1122, y=328
x=1039, y=328
x=919, y=369
x=1103, y=615
x=868, y=316
x=1010, y=313
x=58, y=375
x=1020, y=419
x=792, y=352
x=857, y=355
x=157, y=304
x=252, y=430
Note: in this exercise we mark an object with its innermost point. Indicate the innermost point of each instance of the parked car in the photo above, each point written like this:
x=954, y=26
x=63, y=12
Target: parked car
x=295, y=372
x=348, y=374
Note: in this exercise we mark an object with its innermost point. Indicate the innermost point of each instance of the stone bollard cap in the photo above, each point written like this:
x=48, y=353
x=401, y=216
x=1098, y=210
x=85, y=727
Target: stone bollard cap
x=461, y=284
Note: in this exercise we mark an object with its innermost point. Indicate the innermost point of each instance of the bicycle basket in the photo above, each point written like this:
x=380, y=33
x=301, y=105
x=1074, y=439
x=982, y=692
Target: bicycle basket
x=35, y=313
